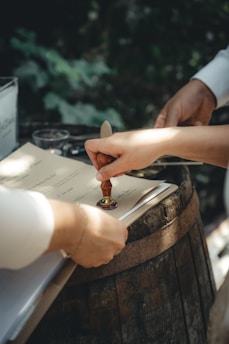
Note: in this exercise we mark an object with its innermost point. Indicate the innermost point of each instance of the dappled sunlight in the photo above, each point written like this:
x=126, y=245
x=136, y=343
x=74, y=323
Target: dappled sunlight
x=217, y=242
x=14, y=166
x=92, y=182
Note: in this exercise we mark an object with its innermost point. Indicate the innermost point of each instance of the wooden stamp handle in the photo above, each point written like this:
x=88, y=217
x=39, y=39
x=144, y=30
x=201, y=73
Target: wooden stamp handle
x=104, y=160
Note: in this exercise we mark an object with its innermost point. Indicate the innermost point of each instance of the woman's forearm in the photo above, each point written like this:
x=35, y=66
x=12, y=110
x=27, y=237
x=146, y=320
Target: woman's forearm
x=138, y=149
x=209, y=144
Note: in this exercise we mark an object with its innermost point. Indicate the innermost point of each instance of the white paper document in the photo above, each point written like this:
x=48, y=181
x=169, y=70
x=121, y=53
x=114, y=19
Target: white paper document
x=32, y=168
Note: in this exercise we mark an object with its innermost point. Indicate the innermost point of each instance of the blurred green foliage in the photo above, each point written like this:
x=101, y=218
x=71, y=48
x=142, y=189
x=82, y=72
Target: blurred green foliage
x=127, y=56
x=82, y=61
x=56, y=84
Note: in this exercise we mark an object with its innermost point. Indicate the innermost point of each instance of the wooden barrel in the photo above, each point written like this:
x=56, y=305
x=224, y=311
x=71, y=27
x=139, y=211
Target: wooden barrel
x=158, y=290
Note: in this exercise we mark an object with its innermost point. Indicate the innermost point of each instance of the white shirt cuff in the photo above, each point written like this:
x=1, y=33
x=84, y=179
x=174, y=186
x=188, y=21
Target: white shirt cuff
x=216, y=76
x=27, y=225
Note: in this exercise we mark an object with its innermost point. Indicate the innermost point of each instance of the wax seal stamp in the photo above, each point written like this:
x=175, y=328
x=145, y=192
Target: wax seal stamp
x=107, y=202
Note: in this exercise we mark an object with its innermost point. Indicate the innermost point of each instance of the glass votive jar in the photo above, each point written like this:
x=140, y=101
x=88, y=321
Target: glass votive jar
x=51, y=139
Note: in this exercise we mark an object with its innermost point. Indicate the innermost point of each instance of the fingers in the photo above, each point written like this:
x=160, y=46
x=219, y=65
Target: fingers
x=104, y=238
x=113, y=169
x=103, y=174
x=93, y=147
x=117, y=253
x=92, y=155
x=160, y=121
x=198, y=123
x=111, y=258
x=166, y=120
x=99, y=261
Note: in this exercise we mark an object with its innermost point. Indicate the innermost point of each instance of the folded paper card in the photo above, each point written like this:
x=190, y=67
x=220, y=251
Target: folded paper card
x=8, y=115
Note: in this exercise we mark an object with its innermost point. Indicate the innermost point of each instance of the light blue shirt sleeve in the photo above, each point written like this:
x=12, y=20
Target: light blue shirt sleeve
x=216, y=76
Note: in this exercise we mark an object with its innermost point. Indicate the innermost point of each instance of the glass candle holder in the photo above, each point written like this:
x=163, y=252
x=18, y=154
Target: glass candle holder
x=51, y=139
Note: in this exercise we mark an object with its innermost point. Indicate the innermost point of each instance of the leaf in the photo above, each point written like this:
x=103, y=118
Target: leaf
x=81, y=113
x=33, y=74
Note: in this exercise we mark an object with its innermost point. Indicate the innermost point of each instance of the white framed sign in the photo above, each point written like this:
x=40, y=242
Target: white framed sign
x=8, y=115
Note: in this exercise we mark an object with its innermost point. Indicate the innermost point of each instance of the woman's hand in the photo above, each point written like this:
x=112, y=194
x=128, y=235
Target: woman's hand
x=138, y=149
x=131, y=150
x=88, y=234
x=102, y=239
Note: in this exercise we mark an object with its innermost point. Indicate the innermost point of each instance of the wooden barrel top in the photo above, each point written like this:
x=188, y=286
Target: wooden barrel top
x=166, y=223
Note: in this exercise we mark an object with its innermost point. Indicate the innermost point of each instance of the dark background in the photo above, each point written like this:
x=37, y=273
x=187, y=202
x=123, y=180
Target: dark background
x=82, y=61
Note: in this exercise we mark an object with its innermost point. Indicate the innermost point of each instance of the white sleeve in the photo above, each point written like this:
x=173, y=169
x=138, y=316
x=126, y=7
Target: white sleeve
x=26, y=227
x=226, y=192
x=216, y=76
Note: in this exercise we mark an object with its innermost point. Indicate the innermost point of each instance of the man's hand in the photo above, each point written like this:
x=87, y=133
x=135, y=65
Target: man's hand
x=193, y=104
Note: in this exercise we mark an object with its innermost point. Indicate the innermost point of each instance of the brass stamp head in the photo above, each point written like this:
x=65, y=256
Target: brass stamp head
x=107, y=203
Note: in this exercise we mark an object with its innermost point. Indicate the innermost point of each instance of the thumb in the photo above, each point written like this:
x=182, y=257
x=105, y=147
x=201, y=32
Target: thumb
x=111, y=170
x=104, y=173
